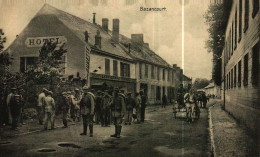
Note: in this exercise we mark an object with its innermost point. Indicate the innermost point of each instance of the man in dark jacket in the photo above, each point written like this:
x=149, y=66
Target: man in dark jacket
x=143, y=105
x=66, y=105
x=130, y=104
x=164, y=101
x=15, y=107
x=87, y=106
x=105, y=108
x=118, y=109
x=98, y=107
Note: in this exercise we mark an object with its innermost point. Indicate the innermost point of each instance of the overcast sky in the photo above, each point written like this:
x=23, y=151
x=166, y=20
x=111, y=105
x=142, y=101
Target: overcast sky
x=162, y=30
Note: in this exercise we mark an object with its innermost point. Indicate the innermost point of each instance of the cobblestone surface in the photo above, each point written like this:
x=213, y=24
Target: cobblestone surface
x=230, y=138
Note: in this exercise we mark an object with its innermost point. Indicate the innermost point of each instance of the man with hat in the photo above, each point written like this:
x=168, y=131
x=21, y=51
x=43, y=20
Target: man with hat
x=138, y=105
x=75, y=101
x=41, y=98
x=118, y=110
x=15, y=107
x=98, y=108
x=130, y=104
x=65, y=109
x=105, y=108
x=49, y=110
x=87, y=111
x=8, y=99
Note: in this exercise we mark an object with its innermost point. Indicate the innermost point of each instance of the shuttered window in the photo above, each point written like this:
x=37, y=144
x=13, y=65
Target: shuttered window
x=107, y=66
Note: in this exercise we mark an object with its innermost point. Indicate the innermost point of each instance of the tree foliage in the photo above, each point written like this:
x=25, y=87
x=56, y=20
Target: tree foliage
x=217, y=18
x=48, y=66
x=200, y=83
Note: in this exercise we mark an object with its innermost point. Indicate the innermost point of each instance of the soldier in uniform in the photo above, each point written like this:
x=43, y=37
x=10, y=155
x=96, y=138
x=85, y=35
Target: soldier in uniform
x=98, y=107
x=143, y=105
x=65, y=109
x=15, y=107
x=8, y=99
x=118, y=110
x=138, y=103
x=105, y=108
x=41, y=97
x=130, y=104
x=75, y=102
x=87, y=111
x=49, y=110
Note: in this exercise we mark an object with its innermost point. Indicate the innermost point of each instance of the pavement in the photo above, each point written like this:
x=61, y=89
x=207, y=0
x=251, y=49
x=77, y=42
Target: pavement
x=229, y=138
x=161, y=135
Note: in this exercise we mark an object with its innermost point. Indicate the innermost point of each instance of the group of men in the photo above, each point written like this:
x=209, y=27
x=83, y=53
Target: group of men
x=105, y=107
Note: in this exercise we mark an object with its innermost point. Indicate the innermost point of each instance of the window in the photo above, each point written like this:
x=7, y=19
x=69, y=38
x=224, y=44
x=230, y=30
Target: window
x=158, y=73
x=255, y=65
x=230, y=45
x=235, y=76
x=163, y=74
x=125, y=70
x=229, y=80
x=239, y=74
x=246, y=70
x=27, y=63
x=152, y=71
x=236, y=29
x=146, y=70
x=172, y=76
x=232, y=39
x=232, y=78
x=107, y=66
x=115, y=73
x=246, y=18
x=140, y=70
x=255, y=7
x=240, y=20
x=168, y=75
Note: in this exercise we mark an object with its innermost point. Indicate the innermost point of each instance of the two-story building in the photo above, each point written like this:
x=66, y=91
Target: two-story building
x=240, y=62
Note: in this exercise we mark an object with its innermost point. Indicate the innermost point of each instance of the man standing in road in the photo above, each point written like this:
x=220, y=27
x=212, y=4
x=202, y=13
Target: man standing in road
x=118, y=110
x=65, y=109
x=49, y=110
x=8, y=99
x=143, y=105
x=106, y=102
x=15, y=107
x=41, y=97
x=98, y=107
x=130, y=104
x=87, y=111
x=164, y=101
x=138, y=103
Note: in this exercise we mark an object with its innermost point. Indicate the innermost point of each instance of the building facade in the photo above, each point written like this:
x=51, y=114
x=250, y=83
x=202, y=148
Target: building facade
x=105, y=58
x=240, y=64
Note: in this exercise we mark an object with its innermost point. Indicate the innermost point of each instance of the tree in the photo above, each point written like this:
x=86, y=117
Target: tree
x=48, y=67
x=217, y=19
x=200, y=83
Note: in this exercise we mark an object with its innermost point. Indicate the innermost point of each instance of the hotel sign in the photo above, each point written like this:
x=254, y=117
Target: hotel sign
x=39, y=41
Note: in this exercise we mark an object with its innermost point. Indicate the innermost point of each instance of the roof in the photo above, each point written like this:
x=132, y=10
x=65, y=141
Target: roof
x=78, y=27
x=186, y=78
x=211, y=85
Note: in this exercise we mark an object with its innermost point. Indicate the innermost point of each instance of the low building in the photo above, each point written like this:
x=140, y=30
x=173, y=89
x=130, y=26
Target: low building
x=186, y=81
x=213, y=90
x=240, y=62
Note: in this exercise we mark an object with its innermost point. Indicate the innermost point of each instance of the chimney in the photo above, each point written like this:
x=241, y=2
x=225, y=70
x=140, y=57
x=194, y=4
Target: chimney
x=86, y=36
x=174, y=65
x=137, y=39
x=98, y=40
x=105, y=24
x=115, y=33
x=94, y=18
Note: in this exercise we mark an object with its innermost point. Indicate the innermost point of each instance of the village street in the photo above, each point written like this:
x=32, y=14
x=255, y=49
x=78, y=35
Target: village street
x=160, y=135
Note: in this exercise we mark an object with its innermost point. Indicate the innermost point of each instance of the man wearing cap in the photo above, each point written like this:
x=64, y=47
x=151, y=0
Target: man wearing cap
x=98, y=108
x=143, y=105
x=8, y=99
x=118, y=110
x=41, y=98
x=87, y=107
x=49, y=110
x=105, y=108
x=138, y=103
x=15, y=107
x=75, y=101
x=130, y=104
x=65, y=109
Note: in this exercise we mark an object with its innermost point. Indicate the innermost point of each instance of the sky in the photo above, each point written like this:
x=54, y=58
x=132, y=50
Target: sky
x=162, y=30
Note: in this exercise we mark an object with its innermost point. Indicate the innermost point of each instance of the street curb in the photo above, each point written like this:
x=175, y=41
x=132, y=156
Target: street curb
x=213, y=146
